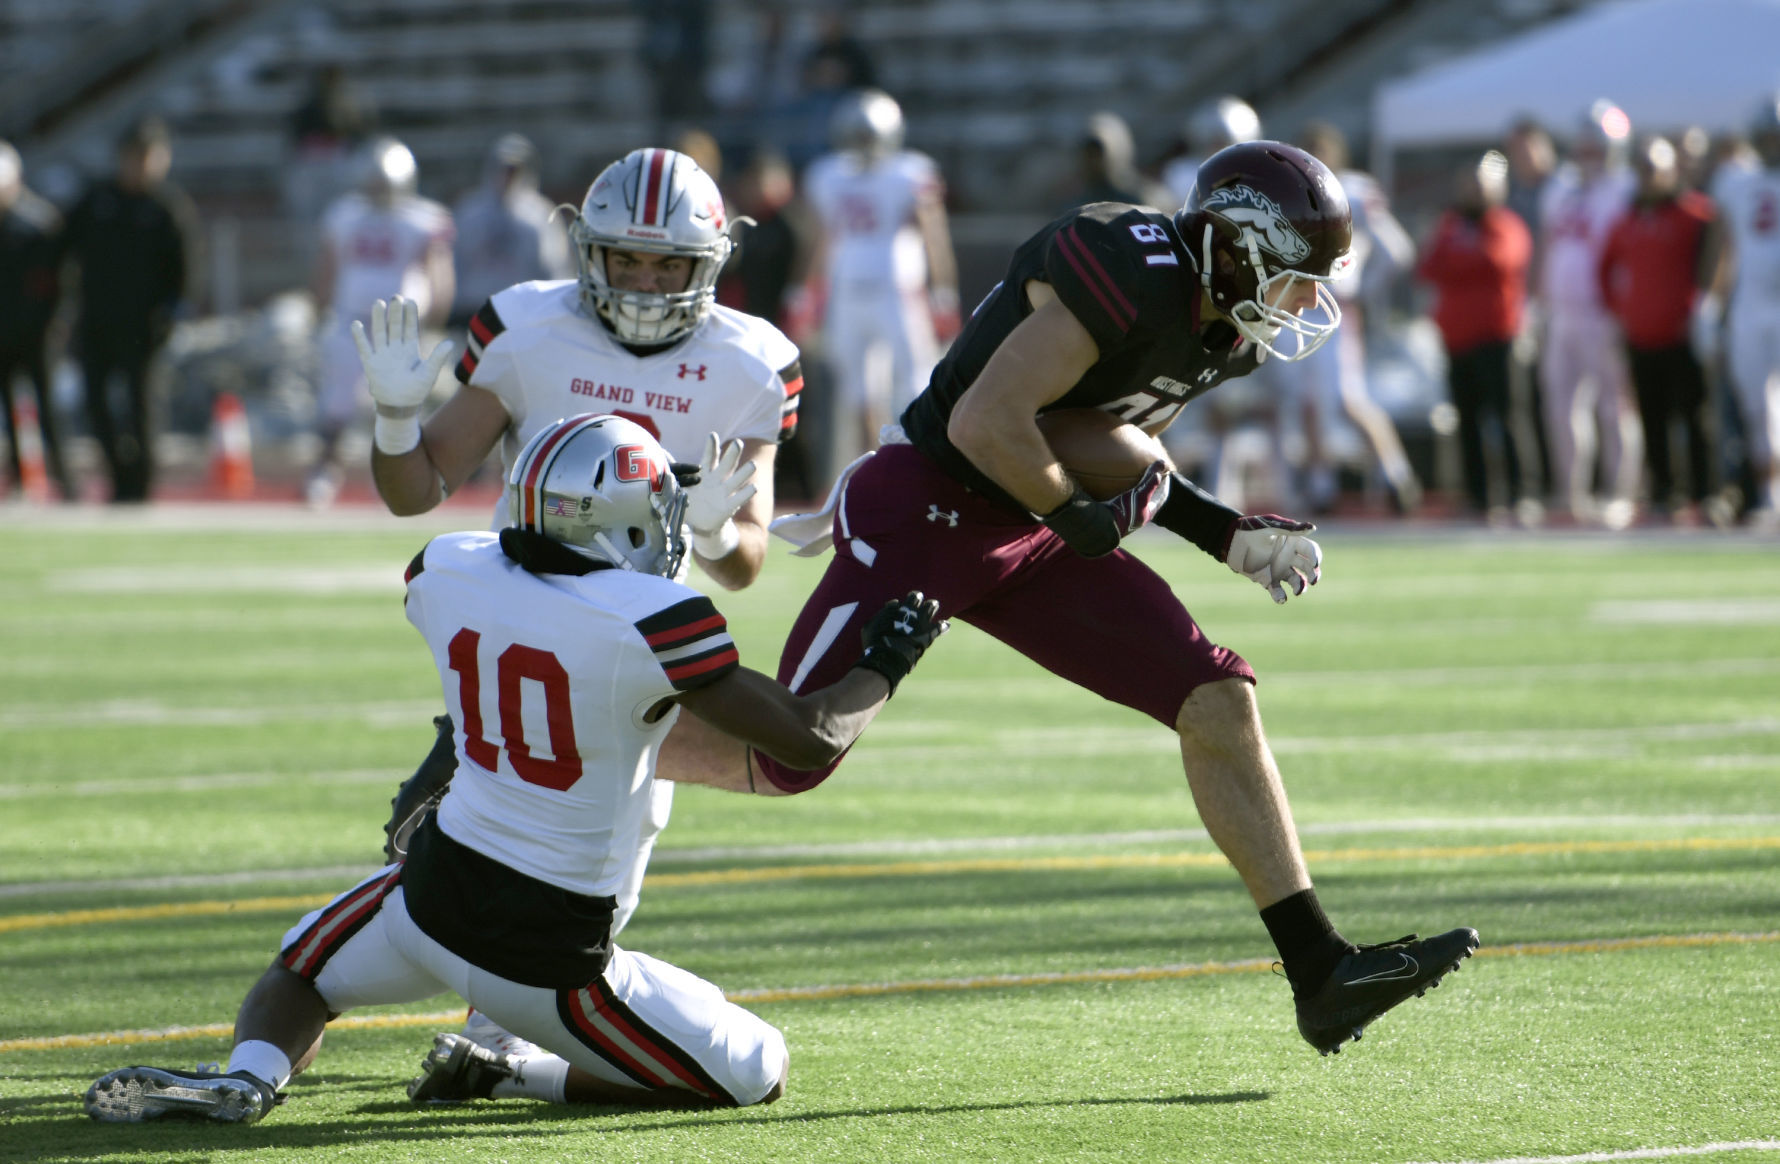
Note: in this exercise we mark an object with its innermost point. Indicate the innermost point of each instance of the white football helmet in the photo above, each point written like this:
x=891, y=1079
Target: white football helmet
x=604, y=488
x=866, y=121
x=658, y=201
x=386, y=170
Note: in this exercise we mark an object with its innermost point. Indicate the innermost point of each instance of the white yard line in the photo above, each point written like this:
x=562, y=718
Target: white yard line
x=1640, y=1153
x=934, y=847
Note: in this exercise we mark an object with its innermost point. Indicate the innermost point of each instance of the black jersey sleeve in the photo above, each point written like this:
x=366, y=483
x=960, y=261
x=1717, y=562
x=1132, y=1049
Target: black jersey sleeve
x=1092, y=265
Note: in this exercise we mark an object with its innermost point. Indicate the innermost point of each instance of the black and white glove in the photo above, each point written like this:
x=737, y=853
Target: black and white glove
x=718, y=494
x=1273, y=552
x=898, y=634
x=1094, y=528
x=398, y=378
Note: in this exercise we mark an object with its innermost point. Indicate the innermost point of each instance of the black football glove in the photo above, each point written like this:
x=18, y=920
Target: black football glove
x=686, y=473
x=899, y=634
x=1094, y=528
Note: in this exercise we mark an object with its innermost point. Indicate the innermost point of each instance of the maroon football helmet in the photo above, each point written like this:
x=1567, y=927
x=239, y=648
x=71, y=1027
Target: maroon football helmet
x=1262, y=216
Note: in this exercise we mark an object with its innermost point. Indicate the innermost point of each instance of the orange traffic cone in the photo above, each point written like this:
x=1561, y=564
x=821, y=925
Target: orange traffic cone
x=33, y=478
x=231, y=448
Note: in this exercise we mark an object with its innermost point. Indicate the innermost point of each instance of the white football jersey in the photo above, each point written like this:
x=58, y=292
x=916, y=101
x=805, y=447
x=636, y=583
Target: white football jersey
x=1381, y=247
x=380, y=251
x=867, y=212
x=548, y=679
x=1575, y=219
x=532, y=346
x=1749, y=203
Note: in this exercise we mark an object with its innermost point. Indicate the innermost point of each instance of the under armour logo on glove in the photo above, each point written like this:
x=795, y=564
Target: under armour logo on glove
x=1133, y=508
x=898, y=634
x=950, y=517
x=1271, y=551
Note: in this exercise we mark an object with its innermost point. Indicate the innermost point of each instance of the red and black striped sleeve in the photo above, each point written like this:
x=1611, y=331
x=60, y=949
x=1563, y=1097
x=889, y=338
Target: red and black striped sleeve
x=691, y=642
x=791, y=379
x=484, y=326
x=1090, y=267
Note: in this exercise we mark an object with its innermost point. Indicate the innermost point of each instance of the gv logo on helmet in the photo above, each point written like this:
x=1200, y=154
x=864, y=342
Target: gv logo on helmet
x=1247, y=207
x=636, y=463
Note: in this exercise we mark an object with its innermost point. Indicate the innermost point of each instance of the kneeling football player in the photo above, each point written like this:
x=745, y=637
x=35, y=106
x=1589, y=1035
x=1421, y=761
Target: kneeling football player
x=508, y=892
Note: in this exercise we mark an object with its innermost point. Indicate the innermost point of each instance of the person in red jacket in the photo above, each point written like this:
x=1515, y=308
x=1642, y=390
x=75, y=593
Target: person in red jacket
x=1477, y=264
x=1656, y=262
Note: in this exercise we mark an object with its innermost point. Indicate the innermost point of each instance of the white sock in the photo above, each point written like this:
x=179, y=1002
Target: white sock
x=544, y=1077
x=261, y=1060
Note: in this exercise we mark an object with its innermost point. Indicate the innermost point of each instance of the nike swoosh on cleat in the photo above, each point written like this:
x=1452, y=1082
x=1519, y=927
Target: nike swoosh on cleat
x=1409, y=969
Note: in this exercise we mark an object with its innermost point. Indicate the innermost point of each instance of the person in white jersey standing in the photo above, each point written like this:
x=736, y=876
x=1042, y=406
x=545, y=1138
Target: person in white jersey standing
x=1749, y=205
x=510, y=892
x=1582, y=369
x=638, y=334
x=890, y=277
x=378, y=241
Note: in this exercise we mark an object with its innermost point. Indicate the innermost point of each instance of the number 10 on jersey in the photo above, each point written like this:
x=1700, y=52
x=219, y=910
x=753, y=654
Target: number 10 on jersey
x=515, y=665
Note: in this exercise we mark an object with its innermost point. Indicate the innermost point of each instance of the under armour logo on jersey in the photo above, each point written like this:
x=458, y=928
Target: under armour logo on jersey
x=950, y=517
x=688, y=370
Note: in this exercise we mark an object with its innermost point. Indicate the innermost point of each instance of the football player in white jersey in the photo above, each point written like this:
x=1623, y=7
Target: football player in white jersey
x=885, y=253
x=639, y=334
x=509, y=893
x=1582, y=368
x=378, y=241
x=1749, y=204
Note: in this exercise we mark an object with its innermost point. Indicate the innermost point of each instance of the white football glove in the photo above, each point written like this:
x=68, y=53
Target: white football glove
x=1272, y=551
x=399, y=380
x=711, y=505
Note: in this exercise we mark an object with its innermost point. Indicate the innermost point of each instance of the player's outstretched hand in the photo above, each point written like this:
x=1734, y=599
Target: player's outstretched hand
x=1133, y=508
x=899, y=634
x=390, y=352
x=722, y=488
x=1272, y=551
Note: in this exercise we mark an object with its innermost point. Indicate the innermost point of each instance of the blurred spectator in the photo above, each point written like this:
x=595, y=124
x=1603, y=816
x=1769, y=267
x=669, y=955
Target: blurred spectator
x=772, y=257
x=131, y=239
x=326, y=129
x=505, y=232
x=832, y=69
x=1220, y=122
x=1582, y=369
x=29, y=288
x=1693, y=158
x=378, y=241
x=1749, y=201
x=1656, y=260
x=676, y=49
x=1106, y=168
x=1333, y=378
x=886, y=260
x=1532, y=160
x=1477, y=263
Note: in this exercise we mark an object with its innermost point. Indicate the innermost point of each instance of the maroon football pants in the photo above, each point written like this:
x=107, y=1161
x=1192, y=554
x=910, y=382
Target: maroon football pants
x=1109, y=624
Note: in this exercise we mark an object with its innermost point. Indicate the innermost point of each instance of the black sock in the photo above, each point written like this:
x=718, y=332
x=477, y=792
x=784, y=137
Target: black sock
x=1308, y=945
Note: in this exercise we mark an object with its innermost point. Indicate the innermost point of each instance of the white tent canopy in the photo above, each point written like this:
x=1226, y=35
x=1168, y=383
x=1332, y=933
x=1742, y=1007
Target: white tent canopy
x=1667, y=63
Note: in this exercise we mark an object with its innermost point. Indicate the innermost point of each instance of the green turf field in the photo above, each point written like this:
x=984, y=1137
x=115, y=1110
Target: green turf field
x=997, y=934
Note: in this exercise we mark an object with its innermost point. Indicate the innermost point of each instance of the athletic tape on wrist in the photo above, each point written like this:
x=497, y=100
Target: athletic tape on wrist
x=395, y=435
x=721, y=544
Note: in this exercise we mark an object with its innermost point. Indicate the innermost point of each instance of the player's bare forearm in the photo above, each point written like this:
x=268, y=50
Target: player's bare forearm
x=803, y=732
x=738, y=569
x=409, y=483
x=993, y=425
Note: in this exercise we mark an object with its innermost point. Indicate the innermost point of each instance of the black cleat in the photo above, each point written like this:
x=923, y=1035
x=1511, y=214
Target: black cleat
x=457, y=1069
x=1373, y=979
x=134, y=1095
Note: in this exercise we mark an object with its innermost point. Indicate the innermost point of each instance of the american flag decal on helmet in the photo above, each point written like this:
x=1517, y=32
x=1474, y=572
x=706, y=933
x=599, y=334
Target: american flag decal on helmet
x=532, y=472
x=691, y=642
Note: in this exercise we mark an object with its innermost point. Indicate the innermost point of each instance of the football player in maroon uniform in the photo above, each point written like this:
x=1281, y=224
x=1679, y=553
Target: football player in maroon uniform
x=1121, y=308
